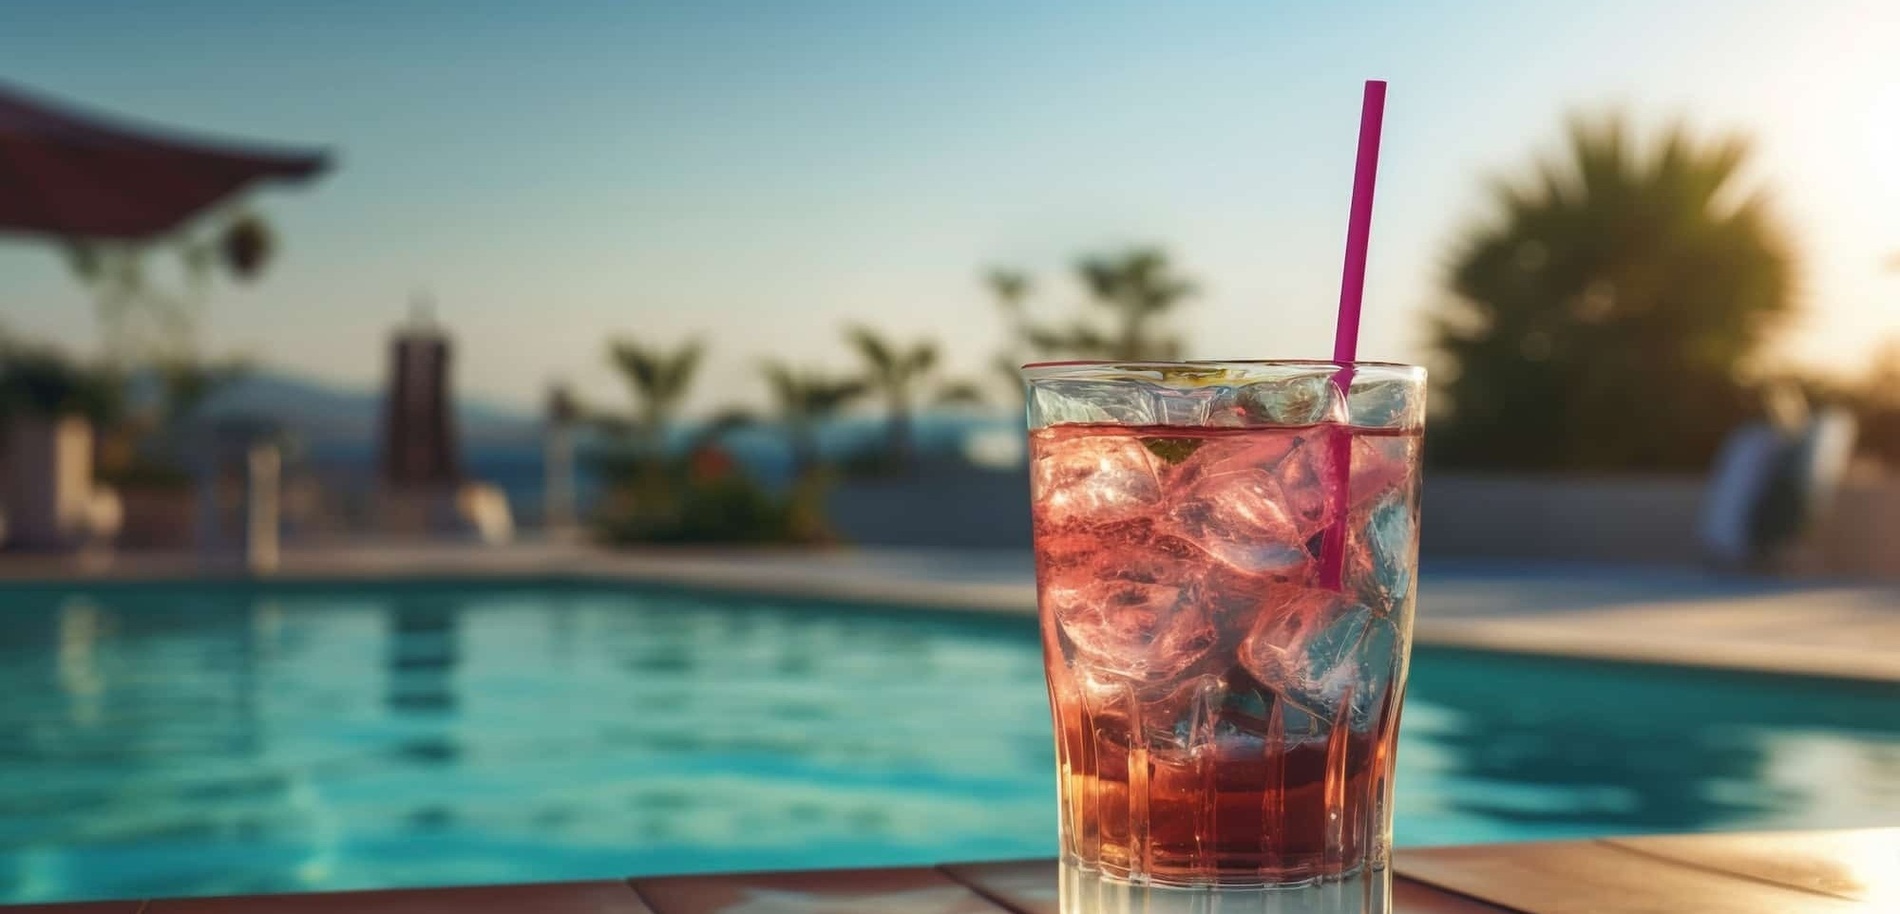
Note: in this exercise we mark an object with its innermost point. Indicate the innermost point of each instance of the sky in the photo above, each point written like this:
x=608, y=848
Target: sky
x=763, y=174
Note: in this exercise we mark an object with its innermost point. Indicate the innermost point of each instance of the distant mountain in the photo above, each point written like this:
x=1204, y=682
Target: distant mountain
x=320, y=413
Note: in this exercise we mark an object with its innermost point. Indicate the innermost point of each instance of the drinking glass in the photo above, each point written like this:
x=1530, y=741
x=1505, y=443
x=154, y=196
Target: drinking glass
x=1226, y=558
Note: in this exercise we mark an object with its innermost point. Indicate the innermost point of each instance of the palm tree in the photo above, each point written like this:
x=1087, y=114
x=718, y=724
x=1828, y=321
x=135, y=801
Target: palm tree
x=657, y=496
x=1135, y=290
x=1011, y=290
x=901, y=376
x=1601, y=316
x=805, y=399
x=659, y=380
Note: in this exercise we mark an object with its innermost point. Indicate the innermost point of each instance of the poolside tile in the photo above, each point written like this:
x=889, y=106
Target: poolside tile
x=554, y=898
x=1593, y=877
x=899, y=891
x=1861, y=865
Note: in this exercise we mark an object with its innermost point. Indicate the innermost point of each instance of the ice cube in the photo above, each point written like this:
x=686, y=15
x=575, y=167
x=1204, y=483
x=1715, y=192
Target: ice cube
x=1381, y=464
x=1092, y=479
x=1226, y=410
x=1256, y=512
x=1109, y=702
x=1303, y=399
x=1307, y=482
x=1379, y=656
x=1241, y=520
x=1142, y=631
x=1251, y=504
x=1322, y=651
x=1261, y=449
x=1385, y=404
x=1056, y=402
x=1383, y=548
x=1191, y=407
x=1254, y=715
x=1129, y=605
x=1182, y=717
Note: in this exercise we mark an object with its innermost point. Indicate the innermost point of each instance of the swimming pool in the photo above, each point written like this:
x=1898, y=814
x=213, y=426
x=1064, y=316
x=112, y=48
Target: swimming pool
x=167, y=739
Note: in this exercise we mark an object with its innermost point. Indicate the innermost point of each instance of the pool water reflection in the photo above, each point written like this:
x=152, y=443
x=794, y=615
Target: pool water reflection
x=206, y=739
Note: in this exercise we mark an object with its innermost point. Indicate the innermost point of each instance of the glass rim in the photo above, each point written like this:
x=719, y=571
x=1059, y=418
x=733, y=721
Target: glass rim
x=1080, y=368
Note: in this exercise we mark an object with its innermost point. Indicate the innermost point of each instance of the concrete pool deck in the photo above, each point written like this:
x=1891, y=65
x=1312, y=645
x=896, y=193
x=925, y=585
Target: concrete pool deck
x=1844, y=630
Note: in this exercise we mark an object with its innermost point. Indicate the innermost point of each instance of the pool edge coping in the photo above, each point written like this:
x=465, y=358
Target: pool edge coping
x=1572, y=635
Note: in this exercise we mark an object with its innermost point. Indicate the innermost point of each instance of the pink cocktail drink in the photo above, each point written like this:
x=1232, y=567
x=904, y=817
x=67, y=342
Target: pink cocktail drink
x=1226, y=698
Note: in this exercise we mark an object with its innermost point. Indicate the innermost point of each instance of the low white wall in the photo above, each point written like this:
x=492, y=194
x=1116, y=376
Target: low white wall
x=1861, y=535
x=1640, y=519
x=1649, y=520
x=947, y=506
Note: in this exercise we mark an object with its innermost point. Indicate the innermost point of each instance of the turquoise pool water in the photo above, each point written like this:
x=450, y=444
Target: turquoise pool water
x=202, y=739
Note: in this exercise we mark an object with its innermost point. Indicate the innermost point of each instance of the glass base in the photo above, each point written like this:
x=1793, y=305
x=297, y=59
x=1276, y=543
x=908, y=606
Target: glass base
x=1368, y=891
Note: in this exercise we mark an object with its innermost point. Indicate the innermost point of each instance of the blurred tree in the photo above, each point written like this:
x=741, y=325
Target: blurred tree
x=1603, y=317
x=40, y=380
x=697, y=496
x=659, y=380
x=142, y=319
x=151, y=447
x=1135, y=291
x=149, y=326
x=1011, y=290
x=903, y=376
x=805, y=400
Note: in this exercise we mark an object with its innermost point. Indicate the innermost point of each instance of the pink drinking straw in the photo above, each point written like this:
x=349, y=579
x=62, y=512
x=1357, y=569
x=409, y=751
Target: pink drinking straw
x=1352, y=290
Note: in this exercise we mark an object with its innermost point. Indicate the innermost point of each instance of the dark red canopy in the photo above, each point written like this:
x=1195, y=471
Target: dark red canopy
x=74, y=175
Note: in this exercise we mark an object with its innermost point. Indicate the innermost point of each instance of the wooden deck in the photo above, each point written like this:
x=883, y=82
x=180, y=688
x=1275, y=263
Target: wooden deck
x=1842, y=872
